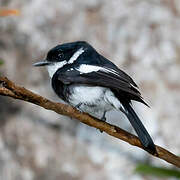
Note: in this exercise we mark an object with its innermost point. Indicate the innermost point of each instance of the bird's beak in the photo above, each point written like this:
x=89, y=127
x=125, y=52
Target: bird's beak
x=42, y=63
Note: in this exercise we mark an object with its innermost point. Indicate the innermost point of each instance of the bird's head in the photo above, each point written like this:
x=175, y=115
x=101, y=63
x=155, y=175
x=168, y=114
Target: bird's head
x=62, y=55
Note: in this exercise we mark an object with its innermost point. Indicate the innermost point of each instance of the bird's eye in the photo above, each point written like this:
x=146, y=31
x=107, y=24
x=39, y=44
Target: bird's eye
x=60, y=55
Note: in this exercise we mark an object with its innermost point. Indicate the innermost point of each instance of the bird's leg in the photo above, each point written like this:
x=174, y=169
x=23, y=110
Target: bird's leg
x=104, y=117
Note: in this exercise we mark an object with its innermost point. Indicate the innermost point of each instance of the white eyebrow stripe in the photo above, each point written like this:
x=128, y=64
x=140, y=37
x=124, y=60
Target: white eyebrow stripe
x=76, y=55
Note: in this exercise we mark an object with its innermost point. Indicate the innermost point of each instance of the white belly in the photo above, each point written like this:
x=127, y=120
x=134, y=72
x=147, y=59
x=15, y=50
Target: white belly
x=95, y=100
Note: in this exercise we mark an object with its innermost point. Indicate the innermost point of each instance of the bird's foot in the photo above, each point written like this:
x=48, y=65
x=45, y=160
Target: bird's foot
x=78, y=107
x=103, y=119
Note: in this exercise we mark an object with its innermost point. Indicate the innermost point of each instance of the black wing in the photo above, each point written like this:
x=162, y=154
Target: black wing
x=119, y=82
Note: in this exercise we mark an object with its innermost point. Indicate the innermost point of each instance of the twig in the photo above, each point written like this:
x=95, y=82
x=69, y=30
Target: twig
x=8, y=88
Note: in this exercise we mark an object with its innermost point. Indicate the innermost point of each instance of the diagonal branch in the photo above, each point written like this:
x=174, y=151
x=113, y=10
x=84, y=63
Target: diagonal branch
x=8, y=88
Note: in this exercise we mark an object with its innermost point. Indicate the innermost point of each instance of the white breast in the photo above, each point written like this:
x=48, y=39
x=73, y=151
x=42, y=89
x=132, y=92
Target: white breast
x=86, y=94
x=94, y=99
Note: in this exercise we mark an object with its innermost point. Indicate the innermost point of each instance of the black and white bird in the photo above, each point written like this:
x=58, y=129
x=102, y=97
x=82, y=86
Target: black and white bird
x=88, y=81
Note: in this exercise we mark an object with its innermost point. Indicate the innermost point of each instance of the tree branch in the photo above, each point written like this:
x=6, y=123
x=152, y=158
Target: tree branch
x=8, y=88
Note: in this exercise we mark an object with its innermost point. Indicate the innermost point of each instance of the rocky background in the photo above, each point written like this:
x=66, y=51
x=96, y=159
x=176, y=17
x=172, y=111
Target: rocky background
x=140, y=36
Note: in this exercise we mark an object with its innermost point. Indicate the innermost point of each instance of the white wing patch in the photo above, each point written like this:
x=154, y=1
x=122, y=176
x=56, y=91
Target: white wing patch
x=111, y=71
x=75, y=55
x=85, y=68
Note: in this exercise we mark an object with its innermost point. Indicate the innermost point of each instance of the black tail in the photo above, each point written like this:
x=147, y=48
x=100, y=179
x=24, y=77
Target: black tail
x=142, y=133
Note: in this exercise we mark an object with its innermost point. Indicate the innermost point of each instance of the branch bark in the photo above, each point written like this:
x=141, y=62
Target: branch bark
x=8, y=88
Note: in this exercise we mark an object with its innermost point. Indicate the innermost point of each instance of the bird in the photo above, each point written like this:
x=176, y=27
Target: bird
x=86, y=80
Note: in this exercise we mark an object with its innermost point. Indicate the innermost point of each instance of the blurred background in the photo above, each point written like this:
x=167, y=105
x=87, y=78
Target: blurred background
x=140, y=36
